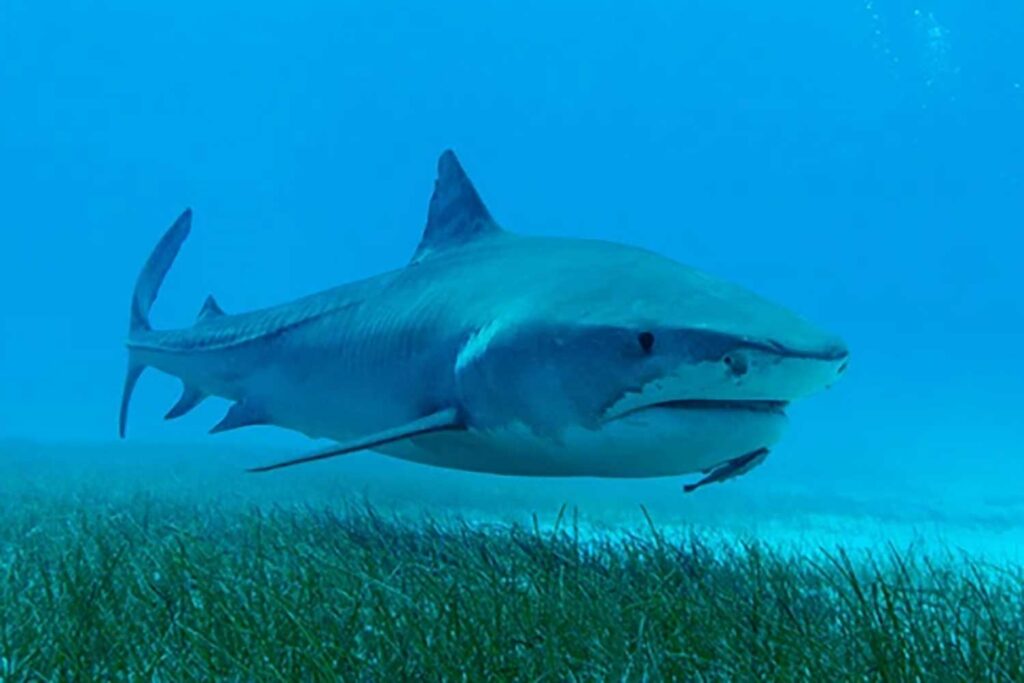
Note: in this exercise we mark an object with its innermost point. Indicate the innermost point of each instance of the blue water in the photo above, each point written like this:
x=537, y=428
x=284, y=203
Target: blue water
x=861, y=162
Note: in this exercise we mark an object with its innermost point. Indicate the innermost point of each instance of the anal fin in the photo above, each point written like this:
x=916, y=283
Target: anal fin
x=441, y=421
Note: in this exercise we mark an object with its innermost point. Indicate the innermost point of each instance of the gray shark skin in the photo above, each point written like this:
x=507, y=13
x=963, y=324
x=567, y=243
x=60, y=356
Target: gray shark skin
x=502, y=353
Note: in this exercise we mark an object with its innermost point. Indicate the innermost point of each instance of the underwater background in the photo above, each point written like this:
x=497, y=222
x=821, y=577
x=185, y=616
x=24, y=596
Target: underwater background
x=859, y=162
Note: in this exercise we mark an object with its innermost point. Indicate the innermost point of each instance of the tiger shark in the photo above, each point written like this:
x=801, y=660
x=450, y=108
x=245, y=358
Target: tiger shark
x=504, y=353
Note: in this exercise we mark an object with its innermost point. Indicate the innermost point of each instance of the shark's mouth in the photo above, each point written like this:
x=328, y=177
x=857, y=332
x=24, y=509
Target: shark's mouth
x=763, y=406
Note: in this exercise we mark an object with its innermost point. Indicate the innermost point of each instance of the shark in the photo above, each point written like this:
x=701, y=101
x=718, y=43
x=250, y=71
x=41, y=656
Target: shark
x=503, y=353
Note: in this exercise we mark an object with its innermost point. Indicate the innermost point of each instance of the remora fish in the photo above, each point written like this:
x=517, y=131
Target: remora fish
x=503, y=353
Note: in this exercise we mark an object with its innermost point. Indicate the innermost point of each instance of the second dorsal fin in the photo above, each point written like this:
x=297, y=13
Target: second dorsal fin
x=210, y=309
x=457, y=215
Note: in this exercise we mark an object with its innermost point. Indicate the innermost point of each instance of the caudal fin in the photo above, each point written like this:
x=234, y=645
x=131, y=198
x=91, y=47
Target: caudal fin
x=147, y=286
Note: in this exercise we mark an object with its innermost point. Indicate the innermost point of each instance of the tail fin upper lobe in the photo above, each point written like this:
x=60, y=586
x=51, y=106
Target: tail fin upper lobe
x=147, y=286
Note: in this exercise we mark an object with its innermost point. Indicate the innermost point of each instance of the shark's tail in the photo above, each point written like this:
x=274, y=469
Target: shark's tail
x=147, y=286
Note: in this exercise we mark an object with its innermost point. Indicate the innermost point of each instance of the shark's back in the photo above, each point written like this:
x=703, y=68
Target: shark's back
x=224, y=331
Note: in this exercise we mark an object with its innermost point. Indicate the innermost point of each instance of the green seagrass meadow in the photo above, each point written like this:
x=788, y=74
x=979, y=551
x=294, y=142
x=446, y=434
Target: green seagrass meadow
x=106, y=582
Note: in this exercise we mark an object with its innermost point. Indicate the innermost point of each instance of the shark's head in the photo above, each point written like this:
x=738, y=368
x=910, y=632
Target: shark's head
x=587, y=357
x=622, y=341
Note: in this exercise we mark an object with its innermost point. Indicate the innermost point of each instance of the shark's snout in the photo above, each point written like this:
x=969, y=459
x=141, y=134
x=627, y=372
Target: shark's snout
x=831, y=349
x=789, y=372
x=823, y=363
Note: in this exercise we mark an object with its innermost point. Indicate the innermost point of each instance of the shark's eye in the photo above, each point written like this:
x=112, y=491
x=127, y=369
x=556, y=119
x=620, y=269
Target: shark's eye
x=646, y=340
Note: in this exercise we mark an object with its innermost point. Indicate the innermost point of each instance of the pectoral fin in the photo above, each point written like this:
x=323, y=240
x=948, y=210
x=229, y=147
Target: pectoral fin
x=444, y=420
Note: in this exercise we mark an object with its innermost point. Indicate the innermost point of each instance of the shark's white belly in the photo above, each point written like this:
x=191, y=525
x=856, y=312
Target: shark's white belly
x=656, y=442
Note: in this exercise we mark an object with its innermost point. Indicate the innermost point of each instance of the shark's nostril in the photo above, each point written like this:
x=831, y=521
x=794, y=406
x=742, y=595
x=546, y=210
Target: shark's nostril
x=842, y=368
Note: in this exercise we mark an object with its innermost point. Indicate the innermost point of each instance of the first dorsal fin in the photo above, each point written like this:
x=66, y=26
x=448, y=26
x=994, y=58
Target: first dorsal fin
x=210, y=309
x=457, y=215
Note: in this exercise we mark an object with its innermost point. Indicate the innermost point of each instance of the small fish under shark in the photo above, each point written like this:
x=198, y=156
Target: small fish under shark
x=502, y=353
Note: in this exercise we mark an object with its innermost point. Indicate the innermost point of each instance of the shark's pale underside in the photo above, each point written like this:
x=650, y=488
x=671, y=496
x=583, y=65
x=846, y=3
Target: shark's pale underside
x=503, y=353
